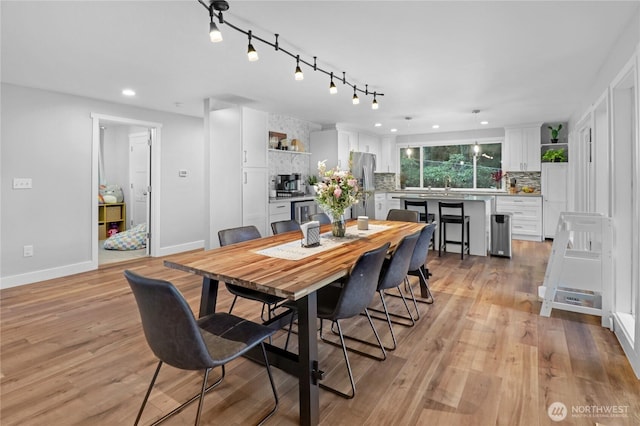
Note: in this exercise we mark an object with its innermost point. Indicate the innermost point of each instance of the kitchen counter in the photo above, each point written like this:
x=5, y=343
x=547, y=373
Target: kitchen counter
x=478, y=207
x=285, y=199
x=460, y=194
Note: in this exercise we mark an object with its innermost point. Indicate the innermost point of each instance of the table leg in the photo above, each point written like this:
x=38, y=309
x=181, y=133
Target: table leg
x=308, y=374
x=208, y=297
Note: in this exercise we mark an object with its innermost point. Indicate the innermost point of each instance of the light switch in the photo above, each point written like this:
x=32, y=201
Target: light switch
x=22, y=183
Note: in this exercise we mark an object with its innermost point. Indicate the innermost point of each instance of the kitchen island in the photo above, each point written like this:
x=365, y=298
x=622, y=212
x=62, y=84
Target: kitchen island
x=477, y=207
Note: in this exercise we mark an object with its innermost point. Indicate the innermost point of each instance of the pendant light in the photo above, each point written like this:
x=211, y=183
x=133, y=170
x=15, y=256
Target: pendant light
x=298, y=74
x=251, y=51
x=332, y=87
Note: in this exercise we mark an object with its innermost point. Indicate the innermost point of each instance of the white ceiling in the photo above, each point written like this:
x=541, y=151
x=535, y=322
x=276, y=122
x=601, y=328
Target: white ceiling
x=516, y=61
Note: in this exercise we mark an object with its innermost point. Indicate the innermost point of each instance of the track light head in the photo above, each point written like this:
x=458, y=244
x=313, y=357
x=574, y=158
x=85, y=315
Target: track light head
x=374, y=104
x=332, y=88
x=251, y=51
x=214, y=33
x=298, y=74
x=355, y=99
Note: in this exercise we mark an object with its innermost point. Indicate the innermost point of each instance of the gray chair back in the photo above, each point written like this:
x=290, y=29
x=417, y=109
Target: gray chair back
x=168, y=323
x=421, y=250
x=403, y=215
x=284, y=226
x=238, y=235
x=395, y=270
x=323, y=218
x=360, y=287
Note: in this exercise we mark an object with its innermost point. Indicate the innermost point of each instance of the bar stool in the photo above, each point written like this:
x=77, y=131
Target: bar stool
x=460, y=219
x=425, y=217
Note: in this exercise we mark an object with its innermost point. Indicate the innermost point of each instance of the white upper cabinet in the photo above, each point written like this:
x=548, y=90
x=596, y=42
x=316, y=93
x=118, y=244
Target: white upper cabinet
x=335, y=146
x=522, y=149
x=255, y=138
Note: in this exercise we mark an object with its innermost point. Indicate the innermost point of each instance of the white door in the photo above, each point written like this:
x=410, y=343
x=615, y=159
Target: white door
x=139, y=178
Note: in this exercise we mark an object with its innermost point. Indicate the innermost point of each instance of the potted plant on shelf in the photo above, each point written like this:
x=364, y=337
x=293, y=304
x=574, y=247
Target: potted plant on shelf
x=554, y=133
x=555, y=156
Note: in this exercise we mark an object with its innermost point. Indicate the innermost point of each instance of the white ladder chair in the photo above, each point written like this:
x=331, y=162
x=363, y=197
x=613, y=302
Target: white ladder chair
x=580, y=277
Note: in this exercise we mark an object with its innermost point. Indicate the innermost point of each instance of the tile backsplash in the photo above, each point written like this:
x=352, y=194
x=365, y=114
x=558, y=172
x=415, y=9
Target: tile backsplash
x=385, y=181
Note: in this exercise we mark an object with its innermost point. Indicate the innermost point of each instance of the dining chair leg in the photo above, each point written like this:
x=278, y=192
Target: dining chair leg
x=190, y=401
x=146, y=397
x=273, y=386
x=346, y=358
x=386, y=311
x=413, y=297
x=233, y=303
x=355, y=339
x=202, y=392
x=400, y=295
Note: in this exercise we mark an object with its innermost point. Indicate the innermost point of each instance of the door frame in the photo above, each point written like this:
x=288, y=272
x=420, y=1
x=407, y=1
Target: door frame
x=154, y=215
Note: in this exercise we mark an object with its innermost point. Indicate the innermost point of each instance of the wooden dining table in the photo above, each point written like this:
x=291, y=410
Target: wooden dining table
x=295, y=280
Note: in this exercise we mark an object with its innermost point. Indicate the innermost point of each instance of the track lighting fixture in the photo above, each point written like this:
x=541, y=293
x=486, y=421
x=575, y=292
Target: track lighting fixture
x=298, y=74
x=251, y=51
x=215, y=9
x=332, y=87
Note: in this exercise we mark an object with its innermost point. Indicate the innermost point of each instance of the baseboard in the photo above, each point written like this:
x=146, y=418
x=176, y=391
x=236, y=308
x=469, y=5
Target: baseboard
x=180, y=248
x=46, y=274
x=626, y=341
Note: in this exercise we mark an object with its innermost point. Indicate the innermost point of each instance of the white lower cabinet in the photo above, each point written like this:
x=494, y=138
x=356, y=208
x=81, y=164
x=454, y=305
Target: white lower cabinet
x=279, y=211
x=255, y=198
x=526, y=219
x=381, y=206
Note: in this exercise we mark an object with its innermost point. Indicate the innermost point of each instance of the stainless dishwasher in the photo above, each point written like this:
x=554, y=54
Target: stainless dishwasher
x=301, y=211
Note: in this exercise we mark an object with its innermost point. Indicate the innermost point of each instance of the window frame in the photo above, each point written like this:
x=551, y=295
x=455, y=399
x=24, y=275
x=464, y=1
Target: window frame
x=420, y=145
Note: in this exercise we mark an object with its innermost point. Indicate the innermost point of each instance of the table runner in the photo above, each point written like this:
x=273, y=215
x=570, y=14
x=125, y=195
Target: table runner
x=295, y=251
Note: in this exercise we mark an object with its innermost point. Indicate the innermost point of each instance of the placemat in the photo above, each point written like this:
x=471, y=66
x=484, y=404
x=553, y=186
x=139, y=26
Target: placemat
x=295, y=251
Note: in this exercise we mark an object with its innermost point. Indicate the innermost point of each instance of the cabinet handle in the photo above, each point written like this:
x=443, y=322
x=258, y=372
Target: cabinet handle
x=280, y=207
x=245, y=155
x=245, y=178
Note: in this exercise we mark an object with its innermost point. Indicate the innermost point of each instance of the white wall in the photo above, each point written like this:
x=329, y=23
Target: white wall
x=47, y=136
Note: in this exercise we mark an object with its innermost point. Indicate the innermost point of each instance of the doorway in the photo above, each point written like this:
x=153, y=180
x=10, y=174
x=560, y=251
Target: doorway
x=125, y=154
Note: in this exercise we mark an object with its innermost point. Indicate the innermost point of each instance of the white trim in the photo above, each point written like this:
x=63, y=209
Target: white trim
x=622, y=333
x=180, y=248
x=47, y=274
x=468, y=141
x=156, y=137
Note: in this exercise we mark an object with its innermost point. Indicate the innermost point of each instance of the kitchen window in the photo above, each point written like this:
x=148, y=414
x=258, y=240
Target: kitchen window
x=453, y=165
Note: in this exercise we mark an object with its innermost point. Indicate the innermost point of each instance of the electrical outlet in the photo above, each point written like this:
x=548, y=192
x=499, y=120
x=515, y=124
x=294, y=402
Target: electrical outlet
x=27, y=251
x=22, y=183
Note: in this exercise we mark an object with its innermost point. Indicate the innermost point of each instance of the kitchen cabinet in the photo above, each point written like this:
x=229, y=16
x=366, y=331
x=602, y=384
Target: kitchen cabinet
x=522, y=149
x=554, y=195
x=381, y=205
x=278, y=211
x=335, y=146
x=388, y=155
x=526, y=219
x=239, y=176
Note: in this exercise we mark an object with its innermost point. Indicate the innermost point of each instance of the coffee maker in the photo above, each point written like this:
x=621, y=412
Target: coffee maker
x=288, y=185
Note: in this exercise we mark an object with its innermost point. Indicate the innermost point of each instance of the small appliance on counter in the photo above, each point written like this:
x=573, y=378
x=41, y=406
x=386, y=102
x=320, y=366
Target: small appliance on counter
x=289, y=185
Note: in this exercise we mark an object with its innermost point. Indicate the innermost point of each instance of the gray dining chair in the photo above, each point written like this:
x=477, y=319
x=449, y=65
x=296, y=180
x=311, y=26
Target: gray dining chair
x=403, y=215
x=178, y=339
x=323, y=218
x=393, y=274
x=418, y=264
x=238, y=235
x=348, y=300
x=284, y=226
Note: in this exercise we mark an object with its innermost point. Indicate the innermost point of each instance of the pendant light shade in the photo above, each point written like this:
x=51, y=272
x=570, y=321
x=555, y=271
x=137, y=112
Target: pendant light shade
x=251, y=51
x=356, y=100
x=214, y=33
x=298, y=74
x=374, y=104
x=332, y=87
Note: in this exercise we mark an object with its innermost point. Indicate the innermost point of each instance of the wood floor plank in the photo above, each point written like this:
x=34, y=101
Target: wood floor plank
x=72, y=351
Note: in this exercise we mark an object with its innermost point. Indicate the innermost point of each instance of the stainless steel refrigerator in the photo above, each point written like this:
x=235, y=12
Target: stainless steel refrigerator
x=363, y=165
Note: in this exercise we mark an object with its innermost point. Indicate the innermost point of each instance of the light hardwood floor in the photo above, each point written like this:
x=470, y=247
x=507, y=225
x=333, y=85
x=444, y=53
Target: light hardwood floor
x=73, y=352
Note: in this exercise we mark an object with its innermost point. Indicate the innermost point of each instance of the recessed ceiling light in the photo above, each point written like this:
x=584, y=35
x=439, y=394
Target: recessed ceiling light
x=128, y=92
x=484, y=123
x=435, y=126
x=394, y=130
x=378, y=124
